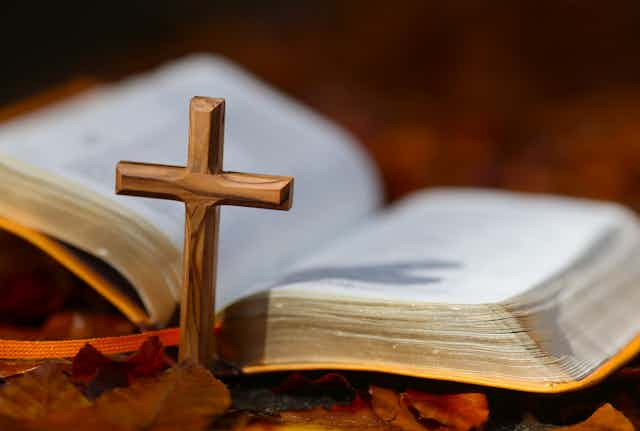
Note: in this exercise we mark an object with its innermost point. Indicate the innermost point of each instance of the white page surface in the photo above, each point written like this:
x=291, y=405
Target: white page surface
x=146, y=119
x=457, y=246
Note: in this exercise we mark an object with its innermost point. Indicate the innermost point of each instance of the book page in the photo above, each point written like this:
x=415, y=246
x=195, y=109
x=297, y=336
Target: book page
x=146, y=119
x=457, y=246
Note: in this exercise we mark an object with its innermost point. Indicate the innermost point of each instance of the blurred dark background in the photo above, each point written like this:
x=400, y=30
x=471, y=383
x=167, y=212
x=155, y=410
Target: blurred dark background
x=530, y=95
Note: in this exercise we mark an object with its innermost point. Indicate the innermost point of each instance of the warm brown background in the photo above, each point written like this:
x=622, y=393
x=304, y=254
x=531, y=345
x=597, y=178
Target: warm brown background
x=534, y=95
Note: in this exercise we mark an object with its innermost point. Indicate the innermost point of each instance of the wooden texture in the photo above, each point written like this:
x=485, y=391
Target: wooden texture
x=203, y=186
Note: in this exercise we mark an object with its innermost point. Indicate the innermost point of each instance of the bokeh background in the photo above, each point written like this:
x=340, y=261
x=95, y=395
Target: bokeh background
x=539, y=95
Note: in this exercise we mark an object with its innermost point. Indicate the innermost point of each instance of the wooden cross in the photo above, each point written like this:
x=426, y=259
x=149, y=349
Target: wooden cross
x=203, y=186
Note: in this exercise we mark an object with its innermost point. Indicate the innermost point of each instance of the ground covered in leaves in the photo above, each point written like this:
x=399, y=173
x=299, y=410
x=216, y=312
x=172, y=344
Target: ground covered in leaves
x=147, y=390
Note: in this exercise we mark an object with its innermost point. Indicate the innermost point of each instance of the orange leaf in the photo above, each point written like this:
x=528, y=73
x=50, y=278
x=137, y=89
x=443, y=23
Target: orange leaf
x=39, y=393
x=460, y=412
x=606, y=418
x=356, y=416
x=264, y=426
x=342, y=419
x=390, y=407
x=183, y=398
x=97, y=373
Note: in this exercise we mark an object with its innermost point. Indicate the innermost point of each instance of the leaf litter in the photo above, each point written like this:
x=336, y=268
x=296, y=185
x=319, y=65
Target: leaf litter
x=148, y=394
x=148, y=391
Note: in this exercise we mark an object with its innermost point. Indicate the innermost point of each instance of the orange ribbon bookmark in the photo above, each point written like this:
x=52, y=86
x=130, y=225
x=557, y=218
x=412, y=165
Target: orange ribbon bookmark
x=19, y=349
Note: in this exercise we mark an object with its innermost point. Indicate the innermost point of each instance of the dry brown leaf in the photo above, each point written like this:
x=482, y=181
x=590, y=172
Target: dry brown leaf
x=96, y=373
x=357, y=416
x=9, y=368
x=342, y=419
x=261, y=426
x=192, y=395
x=460, y=412
x=39, y=393
x=390, y=407
x=388, y=411
x=606, y=418
x=186, y=398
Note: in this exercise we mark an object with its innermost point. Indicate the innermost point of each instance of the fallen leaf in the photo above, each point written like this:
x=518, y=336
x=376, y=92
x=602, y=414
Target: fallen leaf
x=186, y=398
x=148, y=361
x=384, y=409
x=342, y=419
x=328, y=402
x=86, y=363
x=460, y=412
x=606, y=418
x=39, y=393
x=97, y=373
x=261, y=426
x=389, y=406
x=9, y=368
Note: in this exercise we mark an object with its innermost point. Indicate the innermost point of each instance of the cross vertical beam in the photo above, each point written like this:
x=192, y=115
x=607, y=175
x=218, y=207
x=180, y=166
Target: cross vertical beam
x=197, y=309
x=203, y=186
x=202, y=223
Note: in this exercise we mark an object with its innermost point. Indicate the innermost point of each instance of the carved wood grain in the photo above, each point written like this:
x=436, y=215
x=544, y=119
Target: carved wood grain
x=197, y=309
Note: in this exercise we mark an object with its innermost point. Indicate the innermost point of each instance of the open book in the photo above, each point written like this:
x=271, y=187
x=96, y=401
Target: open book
x=511, y=290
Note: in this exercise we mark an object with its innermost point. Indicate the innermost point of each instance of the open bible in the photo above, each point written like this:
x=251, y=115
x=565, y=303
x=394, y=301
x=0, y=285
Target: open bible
x=518, y=291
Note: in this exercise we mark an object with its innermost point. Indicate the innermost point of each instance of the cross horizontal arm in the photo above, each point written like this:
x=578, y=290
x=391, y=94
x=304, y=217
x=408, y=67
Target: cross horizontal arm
x=241, y=189
x=225, y=188
x=149, y=180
